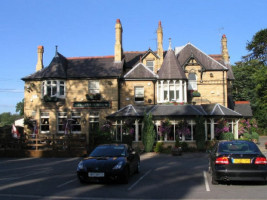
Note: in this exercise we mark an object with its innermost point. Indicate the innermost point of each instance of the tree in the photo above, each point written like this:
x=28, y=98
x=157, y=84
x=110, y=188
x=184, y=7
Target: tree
x=148, y=133
x=200, y=133
x=258, y=47
x=20, y=107
x=7, y=118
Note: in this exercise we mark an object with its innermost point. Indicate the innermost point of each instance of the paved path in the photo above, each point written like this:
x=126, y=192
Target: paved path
x=261, y=145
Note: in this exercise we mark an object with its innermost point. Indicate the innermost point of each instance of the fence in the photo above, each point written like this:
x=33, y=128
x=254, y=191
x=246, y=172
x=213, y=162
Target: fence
x=43, y=145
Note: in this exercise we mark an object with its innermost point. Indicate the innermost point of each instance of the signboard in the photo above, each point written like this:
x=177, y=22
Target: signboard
x=92, y=104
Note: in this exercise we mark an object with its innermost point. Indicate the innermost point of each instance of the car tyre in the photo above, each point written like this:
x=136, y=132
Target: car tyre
x=125, y=176
x=214, y=181
x=138, y=167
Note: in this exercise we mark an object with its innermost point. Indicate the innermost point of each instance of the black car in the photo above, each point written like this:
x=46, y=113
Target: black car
x=109, y=162
x=237, y=160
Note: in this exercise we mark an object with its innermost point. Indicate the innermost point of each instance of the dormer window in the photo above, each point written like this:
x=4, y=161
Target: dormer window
x=150, y=64
x=54, y=88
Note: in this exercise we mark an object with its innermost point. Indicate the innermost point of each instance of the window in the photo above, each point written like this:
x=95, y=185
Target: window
x=94, y=87
x=139, y=94
x=44, y=122
x=54, y=88
x=93, y=121
x=150, y=64
x=192, y=81
x=61, y=121
x=75, y=122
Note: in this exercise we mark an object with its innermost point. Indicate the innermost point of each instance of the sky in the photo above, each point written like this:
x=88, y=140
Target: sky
x=87, y=28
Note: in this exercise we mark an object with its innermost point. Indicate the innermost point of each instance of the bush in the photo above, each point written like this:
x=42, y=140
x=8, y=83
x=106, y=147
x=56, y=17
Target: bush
x=255, y=136
x=247, y=136
x=159, y=147
x=127, y=139
x=227, y=136
x=184, y=146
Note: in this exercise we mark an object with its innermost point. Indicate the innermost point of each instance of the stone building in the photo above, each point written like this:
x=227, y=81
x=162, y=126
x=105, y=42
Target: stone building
x=76, y=95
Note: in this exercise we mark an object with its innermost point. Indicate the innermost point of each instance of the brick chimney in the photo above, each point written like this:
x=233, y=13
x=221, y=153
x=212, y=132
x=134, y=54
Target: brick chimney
x=118, y=42
x=160, y=43
x=225, y=54
x=39, y=65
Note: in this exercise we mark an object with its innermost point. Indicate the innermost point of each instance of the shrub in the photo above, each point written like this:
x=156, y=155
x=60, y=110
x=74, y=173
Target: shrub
x=255, y=136
x=184, y=146
x=149, y=133
x=159, y=147
x=227, y=136
x=247, y=136
x=200, y=133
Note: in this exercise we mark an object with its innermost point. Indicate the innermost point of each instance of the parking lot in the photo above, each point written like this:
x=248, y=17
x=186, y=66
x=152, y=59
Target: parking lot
x=162, y=176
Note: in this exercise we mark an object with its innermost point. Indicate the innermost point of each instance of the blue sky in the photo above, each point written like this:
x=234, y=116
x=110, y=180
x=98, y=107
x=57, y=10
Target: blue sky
x=86, y=28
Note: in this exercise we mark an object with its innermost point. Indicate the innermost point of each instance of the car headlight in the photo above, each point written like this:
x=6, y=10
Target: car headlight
x=80, y=165
x=118, y=166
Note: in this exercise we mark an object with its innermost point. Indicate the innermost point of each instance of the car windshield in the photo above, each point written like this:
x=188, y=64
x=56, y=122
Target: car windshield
x=108, y=151
x=238, y=147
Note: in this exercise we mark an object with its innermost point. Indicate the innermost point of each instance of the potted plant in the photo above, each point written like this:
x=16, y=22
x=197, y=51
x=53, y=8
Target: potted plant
x=91, y=96
x=48, y=98
x=177, y=149
x=195, y=94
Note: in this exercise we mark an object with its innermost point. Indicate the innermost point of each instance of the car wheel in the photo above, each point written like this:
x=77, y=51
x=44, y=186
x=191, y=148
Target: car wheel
x=138, y=167
x=125, y=176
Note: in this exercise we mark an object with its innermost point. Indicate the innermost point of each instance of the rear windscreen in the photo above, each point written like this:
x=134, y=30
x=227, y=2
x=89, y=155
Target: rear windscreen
x=238, y=147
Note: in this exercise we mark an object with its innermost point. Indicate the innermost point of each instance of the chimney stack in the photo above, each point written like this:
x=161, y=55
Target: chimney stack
x=225, y=54
x=39, y=65
x=118, y=41
x=160, y=43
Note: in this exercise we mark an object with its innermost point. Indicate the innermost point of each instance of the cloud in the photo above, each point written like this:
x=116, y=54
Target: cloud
x=11, y=90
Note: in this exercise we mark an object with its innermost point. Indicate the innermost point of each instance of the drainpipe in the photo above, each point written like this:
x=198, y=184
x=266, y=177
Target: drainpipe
x=223, y=90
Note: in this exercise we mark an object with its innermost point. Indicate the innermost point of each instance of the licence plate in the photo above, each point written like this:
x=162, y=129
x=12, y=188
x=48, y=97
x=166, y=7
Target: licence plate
x=96, y=174
x=241, y=161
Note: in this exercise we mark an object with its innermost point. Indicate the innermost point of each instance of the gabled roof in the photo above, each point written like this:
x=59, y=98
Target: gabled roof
x=170, y=68
x=176, y=111
x=131, y=111
x=207, y=62
x=56, y=69
x=148, y=52
x=140, y=71
x=220, y=111
x=79, y=67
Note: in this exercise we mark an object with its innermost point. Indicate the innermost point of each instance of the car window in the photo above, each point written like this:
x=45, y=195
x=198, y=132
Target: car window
x=238, y=147
x=108, y=151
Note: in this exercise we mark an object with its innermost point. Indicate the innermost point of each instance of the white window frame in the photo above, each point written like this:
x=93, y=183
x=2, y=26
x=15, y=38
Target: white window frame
x=93, y=118
x=192, y=83
x=43, y=116
x=151, y=67
x=63, y=116
x=76, y=121
x=93, y=86
x=57, y=85
x=137, y=94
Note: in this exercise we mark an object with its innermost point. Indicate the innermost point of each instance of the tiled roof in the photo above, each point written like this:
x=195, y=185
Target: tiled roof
x=80, y=67
x=208, y=63
x=140, y=71
x=244, y=108
x=170, y=68
x=176, y=111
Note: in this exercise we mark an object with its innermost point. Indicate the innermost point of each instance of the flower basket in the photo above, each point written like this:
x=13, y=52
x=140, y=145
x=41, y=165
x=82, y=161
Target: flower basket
x=195, y=94
x=96, y=96
x=50, y=99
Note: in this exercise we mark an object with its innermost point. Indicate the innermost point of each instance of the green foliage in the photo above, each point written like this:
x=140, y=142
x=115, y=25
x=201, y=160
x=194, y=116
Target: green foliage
x=247, y=136
x=20, y=107
x=149, y=133
x=227, y=136
x=258, y=47
x=200, y=133
x=255, y=136
x=7, y=118
x=184, y=146
x=98, y=137
x=159, y=147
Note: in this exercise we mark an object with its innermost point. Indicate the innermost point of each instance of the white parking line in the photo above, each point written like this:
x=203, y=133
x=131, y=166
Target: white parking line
x=63, y=184
x=133, y=185
x=206, y=181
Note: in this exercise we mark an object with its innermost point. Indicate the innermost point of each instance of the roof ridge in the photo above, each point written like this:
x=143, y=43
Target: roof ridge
x=206, y=55
x=138, y=64
x=89, y=57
